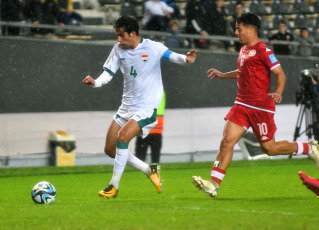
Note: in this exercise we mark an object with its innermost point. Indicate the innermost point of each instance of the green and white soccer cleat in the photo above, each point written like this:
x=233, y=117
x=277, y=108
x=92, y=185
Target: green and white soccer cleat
x=314, y=151
x=209, y=187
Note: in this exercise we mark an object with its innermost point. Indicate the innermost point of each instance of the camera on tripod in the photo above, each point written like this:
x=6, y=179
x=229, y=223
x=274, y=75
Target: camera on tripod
x=307, y=97
x=306, y=93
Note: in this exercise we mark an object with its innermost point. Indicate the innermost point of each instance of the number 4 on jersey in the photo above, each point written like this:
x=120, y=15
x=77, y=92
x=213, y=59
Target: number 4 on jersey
x=133, y=72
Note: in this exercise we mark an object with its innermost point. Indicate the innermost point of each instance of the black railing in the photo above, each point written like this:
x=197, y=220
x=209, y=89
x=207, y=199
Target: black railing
x=154, y=34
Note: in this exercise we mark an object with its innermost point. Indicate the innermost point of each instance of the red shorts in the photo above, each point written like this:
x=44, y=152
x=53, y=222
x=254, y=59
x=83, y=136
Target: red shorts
x=261, y=122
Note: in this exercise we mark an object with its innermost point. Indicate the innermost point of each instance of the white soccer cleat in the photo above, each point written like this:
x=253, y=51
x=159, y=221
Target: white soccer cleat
x=314, y=151
x=205, y=185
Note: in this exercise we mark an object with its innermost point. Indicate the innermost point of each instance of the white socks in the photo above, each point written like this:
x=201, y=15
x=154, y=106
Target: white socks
x=123, y=157
x=134, y=162
x=119, y=166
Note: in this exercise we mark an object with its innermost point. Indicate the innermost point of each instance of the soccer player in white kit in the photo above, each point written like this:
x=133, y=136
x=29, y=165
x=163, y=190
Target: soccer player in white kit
x=139, y=61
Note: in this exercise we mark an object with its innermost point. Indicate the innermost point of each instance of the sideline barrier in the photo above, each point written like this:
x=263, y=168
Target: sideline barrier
x=156, y=34
x=62, y=148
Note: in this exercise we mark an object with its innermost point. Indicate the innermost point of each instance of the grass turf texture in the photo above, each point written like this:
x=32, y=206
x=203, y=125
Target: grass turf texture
x=265, y=194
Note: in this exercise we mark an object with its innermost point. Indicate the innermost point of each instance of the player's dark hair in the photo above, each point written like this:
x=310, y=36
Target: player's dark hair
x=128, y=23
x=249, y=19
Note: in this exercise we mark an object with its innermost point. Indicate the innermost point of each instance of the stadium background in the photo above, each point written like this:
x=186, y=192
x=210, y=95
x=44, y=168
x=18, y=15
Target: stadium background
x=41, y=91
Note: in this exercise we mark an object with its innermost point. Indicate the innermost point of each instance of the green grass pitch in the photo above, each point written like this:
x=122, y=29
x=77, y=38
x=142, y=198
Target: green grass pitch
x=265, y=194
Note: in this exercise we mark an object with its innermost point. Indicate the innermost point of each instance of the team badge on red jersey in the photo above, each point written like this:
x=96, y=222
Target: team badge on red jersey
x=144, y=57
x=252, y=53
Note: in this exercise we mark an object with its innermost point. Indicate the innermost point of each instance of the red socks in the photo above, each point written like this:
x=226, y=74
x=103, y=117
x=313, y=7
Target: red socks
x=302, y=148
x=217, y=174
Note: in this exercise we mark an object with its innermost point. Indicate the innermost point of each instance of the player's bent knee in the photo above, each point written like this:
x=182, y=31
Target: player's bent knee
x=122, y=137
x=110, y=151
x=227, y=143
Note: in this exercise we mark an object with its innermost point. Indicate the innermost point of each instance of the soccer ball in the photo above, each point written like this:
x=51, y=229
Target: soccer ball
x=43, y=193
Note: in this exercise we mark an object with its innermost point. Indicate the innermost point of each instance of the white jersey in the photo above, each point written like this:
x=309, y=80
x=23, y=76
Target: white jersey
x=143, y=85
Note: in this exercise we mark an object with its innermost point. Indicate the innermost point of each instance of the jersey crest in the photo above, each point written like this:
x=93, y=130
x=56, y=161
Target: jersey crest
x=144, y=57
x=252, y=53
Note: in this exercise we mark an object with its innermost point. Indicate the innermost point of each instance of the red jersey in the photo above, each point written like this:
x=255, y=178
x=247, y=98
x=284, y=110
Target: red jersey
x=253, y=79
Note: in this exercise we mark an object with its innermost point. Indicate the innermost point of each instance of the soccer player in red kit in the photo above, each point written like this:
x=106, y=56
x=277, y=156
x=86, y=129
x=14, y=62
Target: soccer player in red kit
x=310, y=182
x=254, y=106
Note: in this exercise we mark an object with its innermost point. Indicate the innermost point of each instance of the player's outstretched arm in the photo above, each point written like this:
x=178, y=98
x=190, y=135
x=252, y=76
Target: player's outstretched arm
x=103, y=79
x=88, y=80
x=280, y=84
x=180, y=58
x=191, y=56
x=213, y=73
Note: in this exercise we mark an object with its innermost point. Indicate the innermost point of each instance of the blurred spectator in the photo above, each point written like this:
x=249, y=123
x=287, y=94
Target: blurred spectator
x=174, y=41
x=69, y=16
x=305, y=43
x=177, y=11
x=195, y=21
x=10, y=12
x=209, y=5
x=156, y=15
x=282, y=35
x=217, y=19
x=218, y=24
x=239, y=9
x=43, y=12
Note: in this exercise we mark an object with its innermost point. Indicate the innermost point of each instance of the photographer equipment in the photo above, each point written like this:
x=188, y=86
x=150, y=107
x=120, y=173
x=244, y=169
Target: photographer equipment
x=307, y=99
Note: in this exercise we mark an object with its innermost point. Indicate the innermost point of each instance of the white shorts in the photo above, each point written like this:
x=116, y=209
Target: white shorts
x=145, y=119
